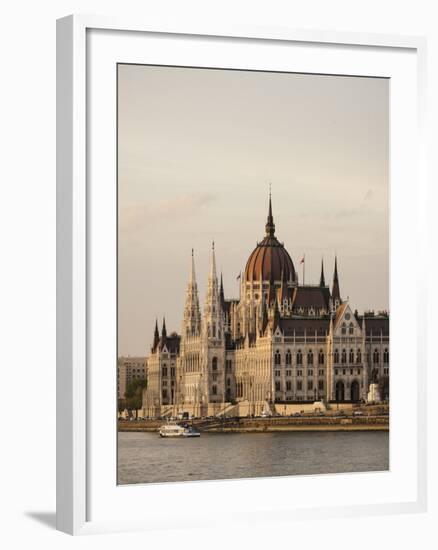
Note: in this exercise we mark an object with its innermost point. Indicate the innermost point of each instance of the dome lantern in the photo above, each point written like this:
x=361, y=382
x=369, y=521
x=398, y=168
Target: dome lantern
x=270, y=261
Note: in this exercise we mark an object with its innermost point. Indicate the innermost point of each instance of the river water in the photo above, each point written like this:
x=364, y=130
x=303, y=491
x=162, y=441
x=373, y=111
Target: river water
x=146, y=457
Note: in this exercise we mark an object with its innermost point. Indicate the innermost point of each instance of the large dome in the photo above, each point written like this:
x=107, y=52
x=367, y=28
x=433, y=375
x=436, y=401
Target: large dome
x=270, y=261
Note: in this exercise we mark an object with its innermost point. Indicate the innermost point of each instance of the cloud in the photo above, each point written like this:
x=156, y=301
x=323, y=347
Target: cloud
x=368, y=195
x=138, y=216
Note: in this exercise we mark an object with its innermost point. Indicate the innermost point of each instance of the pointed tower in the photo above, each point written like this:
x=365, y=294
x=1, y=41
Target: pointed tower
x=163, y=335
x=156, y=340
x=275, y=316
x=265, y=318
x=336, y=295
x=213, y=347
x=270, y=225
x=192, y=313
x=221, y=293
x=284, y=294
x=322, y=278
x=329, y=396
x=366, y=370
x=213, y=308
x=272, y=296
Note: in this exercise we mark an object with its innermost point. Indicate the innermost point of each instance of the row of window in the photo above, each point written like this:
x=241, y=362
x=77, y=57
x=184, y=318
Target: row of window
x=299, y=372
x=299, y=357
x=164, y=371
x=344, y=371
x=350, y=328
x=310, y=386
x=338, y=357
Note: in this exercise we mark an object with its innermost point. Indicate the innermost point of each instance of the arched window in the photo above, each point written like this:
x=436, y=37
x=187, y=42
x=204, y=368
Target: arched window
x=351, y=357
x=358, y=356
x=376, y=356
x=336, y=356
x=277, y=386
x=214, y=363
x=299, y=357
x=343, y=328
x=288, y=357
x=214, y=330
x=310, y=357
x=214, y=390
x=277, y=358
x=344, y=356
x=321, y=357
x=386, y=356
x=351, y=329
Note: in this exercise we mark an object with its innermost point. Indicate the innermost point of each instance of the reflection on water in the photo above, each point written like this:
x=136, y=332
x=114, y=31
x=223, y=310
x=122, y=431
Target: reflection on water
x=145, y=457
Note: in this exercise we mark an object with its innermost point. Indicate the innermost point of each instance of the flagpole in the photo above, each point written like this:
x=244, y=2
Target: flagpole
x=304, y=269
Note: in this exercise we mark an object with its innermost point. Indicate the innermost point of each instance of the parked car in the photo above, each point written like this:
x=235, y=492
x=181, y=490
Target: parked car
x=357, y=413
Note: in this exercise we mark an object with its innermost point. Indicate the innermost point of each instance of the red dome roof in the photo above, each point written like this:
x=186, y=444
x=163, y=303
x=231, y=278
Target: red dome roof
x=270, y=260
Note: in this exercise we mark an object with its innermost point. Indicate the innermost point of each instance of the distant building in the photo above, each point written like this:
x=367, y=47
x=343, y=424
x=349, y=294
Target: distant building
x=128, y=369
x=279, y=342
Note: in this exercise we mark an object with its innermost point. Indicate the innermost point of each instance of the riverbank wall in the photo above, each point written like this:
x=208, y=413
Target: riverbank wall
x=277, y=424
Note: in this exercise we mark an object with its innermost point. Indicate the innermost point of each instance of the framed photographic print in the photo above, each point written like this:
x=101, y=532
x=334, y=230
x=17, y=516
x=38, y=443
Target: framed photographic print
x=239, y=225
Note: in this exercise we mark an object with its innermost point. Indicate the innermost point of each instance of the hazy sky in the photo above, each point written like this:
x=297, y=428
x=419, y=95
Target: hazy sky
x=197, y=148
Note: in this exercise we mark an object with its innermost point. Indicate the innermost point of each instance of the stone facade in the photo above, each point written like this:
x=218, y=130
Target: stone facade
x=280, y=342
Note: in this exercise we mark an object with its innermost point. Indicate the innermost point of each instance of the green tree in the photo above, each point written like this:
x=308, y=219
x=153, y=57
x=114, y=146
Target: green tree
x=384, y=387
x=134, y=394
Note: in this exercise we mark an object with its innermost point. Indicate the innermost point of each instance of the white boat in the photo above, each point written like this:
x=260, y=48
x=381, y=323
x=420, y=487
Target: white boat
x=175, y=430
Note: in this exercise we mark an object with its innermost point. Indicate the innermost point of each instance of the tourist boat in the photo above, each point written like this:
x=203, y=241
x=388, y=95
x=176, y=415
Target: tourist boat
x=175, y=430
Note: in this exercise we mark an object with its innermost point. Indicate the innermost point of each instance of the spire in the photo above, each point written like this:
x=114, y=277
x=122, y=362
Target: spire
x=192, y=278
x=284, y=289
x=221, y=293
x=213, y=275
x=192, y=314
x=156, y=337
x=264, y=318
x=163, y=335
x=270, y=226
x=213, y=312
x=272, y=293
x=322, y=278
x=336, y=295
x=276, y=316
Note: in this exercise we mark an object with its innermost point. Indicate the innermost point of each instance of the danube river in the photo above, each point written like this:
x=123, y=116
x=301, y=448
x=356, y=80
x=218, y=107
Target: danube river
x=146, y=457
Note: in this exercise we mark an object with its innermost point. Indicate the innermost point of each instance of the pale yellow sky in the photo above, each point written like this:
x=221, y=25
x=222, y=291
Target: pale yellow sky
x=197, y=148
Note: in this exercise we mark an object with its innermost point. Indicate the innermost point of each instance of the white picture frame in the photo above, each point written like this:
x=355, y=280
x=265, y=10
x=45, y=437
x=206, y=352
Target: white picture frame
x=77, y=404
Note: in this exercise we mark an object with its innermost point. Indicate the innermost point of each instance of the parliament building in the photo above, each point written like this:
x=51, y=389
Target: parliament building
x=280, y=343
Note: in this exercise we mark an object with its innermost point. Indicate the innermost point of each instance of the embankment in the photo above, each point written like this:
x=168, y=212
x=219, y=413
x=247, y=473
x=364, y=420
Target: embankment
x=277, y=424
